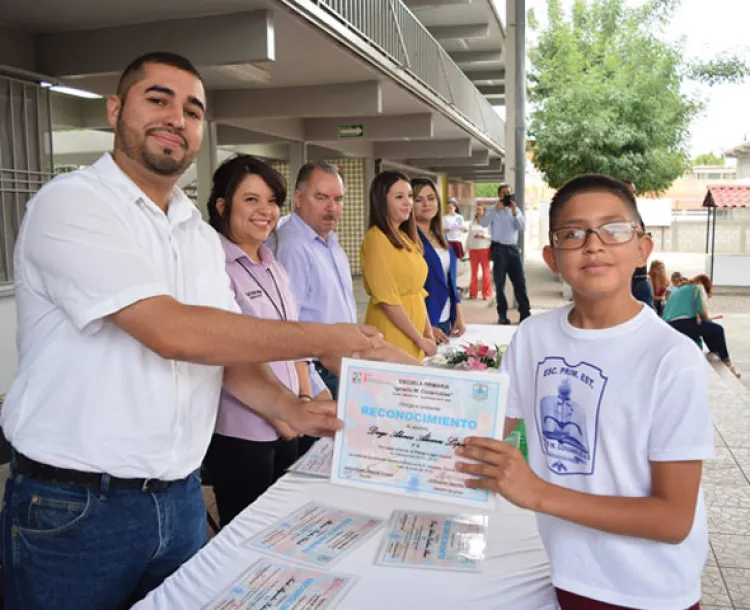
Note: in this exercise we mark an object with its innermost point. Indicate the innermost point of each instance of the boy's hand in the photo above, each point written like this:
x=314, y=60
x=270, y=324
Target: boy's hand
x=504, y=471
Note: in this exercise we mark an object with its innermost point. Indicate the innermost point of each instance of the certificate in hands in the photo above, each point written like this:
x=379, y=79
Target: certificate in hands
x=402, y=425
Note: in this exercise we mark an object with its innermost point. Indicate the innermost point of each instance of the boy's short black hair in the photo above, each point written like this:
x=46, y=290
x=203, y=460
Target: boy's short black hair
x=592, y=183
x=134, y=71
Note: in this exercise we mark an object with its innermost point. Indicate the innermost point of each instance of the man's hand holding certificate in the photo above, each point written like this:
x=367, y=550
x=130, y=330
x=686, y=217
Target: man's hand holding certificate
x=402, y=425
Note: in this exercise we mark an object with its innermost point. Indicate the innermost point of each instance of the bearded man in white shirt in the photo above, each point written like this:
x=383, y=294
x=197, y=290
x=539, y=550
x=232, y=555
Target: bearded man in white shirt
x=127, y=325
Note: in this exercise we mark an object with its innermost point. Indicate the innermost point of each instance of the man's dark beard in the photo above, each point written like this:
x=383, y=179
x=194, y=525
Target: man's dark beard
x=161, y=164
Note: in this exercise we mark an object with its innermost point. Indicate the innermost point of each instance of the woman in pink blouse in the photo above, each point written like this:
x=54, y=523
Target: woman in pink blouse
x=247, y=452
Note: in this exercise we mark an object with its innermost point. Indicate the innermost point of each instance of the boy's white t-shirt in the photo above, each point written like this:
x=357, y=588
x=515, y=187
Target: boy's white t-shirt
x=599, y=406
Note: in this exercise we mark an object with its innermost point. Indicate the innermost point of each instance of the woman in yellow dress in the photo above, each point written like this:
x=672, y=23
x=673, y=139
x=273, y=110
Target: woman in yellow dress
x=393, y=268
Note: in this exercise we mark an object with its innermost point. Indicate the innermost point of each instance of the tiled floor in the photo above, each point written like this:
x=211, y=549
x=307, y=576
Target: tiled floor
x=726, y=578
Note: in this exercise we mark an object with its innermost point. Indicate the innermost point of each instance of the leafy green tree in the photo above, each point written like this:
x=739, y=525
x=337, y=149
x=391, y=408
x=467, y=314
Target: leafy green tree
x=488, y=189
x=708, y=159
x=605, y=92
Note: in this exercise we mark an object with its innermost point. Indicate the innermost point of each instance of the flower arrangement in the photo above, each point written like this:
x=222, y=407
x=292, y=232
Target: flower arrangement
x=471, y=357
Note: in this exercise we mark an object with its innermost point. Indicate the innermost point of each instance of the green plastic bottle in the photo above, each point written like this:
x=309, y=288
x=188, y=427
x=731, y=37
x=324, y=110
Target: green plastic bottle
x=517, y=438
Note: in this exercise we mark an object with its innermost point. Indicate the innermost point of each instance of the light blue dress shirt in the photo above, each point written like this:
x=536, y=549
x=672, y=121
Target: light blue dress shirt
x=319, y=273
x=504, y=226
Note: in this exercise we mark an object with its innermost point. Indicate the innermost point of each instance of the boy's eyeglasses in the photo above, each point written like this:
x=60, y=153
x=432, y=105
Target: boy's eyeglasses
x=610, y=234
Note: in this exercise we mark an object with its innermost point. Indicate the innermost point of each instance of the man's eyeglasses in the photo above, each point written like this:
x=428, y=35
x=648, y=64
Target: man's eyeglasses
x=610, y=234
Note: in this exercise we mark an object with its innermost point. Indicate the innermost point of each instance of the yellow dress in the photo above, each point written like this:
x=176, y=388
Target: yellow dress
x=394, y=277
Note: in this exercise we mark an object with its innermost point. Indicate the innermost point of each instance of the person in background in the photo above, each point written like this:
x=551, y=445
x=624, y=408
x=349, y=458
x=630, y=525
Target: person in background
x=308, y=247
x=676, y=280
x=393, y=268
x=443, y=301
x=657, y=275
x=505, y=221
x=248, y=452
x=454, y=227
x=478, y=244
x=614, y=473
x=686, y=311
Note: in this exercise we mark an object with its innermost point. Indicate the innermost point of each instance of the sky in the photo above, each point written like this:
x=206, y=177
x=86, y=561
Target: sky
x=708, y=29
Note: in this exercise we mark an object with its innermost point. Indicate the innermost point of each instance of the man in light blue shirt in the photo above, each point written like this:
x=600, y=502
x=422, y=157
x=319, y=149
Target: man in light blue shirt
x=307, y=246
x=505, y=221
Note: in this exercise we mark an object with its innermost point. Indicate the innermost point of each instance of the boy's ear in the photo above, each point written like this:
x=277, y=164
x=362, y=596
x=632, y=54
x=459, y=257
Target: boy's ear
x=548, y=254
x=645, y=248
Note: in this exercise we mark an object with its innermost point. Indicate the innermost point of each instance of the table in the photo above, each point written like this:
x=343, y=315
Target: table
x=515, y=574
x=490, y=334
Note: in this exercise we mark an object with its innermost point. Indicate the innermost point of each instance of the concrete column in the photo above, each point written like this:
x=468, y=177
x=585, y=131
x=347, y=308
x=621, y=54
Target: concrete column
x=515, y=100
x=297, y=158
x=206, y=162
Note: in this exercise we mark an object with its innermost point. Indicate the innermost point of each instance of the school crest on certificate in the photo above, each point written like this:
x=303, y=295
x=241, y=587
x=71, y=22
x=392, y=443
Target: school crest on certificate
x=402, y=425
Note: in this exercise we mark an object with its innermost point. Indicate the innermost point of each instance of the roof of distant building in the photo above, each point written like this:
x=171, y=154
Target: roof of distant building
x=727, y=196
x=738, y=151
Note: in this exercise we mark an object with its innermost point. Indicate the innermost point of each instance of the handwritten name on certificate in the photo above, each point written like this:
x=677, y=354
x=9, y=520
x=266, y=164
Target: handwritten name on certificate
x=270, y=585
x=438, y=542
x=316, y=534
x=402, y=425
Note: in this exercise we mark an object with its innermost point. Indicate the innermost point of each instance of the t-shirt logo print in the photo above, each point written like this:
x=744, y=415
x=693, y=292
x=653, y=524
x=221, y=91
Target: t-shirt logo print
x=568, y=415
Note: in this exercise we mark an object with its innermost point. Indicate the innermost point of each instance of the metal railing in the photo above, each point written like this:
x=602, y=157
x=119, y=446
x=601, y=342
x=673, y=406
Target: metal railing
x=391, y=27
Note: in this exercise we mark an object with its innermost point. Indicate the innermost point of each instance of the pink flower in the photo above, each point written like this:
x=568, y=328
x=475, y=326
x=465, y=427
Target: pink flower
x=472, y=364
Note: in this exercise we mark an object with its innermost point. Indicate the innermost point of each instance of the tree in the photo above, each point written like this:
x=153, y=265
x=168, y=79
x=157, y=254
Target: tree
x=708, y=159
x=488, y=189
x=606, y=93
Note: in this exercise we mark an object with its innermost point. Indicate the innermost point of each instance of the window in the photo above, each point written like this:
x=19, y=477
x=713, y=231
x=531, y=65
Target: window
x=25, y=158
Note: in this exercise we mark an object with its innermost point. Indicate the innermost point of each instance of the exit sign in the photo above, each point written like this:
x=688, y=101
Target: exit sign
x=351, y=131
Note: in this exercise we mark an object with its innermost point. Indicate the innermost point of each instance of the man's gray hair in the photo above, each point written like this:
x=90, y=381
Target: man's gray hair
x=306, y=171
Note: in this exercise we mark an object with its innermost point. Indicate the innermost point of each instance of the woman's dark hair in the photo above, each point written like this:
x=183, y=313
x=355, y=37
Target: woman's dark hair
x=379, y=188
x=228, y=177
x=591, y=183
x=436, y=223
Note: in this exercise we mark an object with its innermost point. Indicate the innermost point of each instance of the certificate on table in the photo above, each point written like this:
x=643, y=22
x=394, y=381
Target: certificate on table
x=438, y=542
x=317, y=461
x=402, y=425
x=316, y=534
x=271, y=585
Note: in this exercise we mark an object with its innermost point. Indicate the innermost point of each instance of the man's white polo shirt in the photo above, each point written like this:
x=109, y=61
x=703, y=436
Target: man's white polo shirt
x=87, y=395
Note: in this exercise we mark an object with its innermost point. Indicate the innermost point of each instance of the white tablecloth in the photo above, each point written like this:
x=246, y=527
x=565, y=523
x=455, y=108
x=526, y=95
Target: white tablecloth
x=515, y=575
x=489, y=334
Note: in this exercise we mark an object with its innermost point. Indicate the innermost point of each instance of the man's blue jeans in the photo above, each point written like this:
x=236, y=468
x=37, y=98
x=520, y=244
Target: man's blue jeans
x=79, y=548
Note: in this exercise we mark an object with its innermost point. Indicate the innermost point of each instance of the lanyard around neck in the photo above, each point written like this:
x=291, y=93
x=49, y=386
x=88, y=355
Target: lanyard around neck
x=281, y=311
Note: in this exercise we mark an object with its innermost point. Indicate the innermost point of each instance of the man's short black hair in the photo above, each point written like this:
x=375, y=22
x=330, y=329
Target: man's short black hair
x=134, y=72
x=503, y=186
x=591, y=183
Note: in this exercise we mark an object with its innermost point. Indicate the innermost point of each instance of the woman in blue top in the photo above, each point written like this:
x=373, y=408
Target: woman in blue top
x=442, y=301
x=686, y=310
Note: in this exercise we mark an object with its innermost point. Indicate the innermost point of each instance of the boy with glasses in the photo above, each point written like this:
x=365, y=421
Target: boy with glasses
x=616, y=406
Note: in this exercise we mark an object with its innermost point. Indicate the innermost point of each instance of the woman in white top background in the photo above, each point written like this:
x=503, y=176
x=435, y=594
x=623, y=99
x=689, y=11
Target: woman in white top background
x=454, y=227
x=478, y=246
